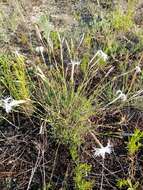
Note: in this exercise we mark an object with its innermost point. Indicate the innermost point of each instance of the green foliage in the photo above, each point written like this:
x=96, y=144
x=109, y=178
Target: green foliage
x=81, y=172
x=7, y=78
x=13, y=78
x=74, y=153
x=84, y=63
x=123, y=20
x=68, y=110
x=55, y=40
x=45, y=26
x=134, y=142
x=127, y=183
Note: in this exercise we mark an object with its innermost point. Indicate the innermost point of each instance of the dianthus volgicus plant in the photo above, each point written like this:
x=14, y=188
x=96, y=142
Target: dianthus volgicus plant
x=100, y=55
x=120, y=96
x=40, y=50
x=73, y=63
x=101, y=152
x=9, y=103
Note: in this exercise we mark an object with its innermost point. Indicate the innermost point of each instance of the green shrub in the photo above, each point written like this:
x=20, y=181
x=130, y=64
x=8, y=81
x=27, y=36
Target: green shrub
x=81, y=172
x=134, y=142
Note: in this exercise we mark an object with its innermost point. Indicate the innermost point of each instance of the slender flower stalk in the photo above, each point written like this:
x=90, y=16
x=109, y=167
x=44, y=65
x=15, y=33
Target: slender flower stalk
x=40, y=73
x=120, y=96
x=40, y=49
x=137, y=70
x=8, y=103
x=102, y=151
x=137, y=95
x=73, y=63
x=101, y=55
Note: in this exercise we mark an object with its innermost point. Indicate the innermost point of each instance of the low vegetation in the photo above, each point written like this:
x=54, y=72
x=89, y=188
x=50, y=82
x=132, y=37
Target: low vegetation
x=71, y=101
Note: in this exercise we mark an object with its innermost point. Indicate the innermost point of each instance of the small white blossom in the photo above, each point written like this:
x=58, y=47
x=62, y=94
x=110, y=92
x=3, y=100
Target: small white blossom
x=75, y=62
x=137, y=69
x=121, y=95
x=16, y=53
x=103, y=55
x=8, y=103
x=103, y=150
x=39, y=49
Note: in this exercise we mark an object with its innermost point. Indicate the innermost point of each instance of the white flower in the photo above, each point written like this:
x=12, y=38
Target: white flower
x=75, y=62
x=121, y=95
x=8, y=103
x=103, y=55
x=138, y=69
x=103, y=150
x=39, y=49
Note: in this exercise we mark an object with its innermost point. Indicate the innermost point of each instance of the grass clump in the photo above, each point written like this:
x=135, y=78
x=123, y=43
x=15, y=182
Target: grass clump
x=68, y=111
x=65, y=103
